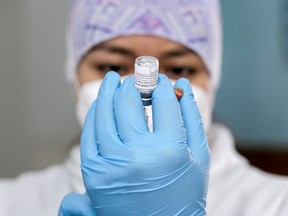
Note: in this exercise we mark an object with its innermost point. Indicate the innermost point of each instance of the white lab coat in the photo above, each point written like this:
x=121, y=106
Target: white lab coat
x=235, y=187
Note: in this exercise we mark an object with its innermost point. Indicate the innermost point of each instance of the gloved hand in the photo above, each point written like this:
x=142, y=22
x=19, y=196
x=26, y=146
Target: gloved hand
x=129, y=171
x=74, y=204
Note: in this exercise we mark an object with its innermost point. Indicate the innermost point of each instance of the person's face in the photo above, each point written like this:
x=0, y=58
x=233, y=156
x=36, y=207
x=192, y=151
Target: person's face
x=119, y=55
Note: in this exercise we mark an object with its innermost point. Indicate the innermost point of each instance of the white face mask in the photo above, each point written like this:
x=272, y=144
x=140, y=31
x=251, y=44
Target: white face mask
x=89, y=91
x=86, y=96
x=205, y=103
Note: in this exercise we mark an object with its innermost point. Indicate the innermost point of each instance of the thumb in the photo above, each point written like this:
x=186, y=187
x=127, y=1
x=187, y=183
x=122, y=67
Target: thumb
x=74, y=204
x=196, y=136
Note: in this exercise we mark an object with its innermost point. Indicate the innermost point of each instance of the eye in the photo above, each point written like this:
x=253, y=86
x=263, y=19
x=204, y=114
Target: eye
x=181, y=71
x=104, y=68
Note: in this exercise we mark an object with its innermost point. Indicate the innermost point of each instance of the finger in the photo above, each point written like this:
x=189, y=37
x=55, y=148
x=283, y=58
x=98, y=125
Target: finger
x=166, y=110
x=196, y=136
x=88, y=145
x=76, y=205
x=129, y=112
x=106, y=130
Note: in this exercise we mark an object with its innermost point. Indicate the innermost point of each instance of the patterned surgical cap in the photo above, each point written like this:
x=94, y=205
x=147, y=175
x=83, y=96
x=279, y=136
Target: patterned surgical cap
x=194, y=23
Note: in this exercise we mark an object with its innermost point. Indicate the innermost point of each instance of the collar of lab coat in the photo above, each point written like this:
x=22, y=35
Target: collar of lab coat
x=224, y=156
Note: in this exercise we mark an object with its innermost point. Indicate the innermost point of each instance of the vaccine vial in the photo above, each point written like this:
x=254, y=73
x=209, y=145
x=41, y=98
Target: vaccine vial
x=146, y=79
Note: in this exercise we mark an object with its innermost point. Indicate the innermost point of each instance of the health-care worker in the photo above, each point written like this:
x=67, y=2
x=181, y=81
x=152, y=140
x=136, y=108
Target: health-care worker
x=186, y=38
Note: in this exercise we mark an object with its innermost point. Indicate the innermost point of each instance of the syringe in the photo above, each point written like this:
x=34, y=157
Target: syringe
x=146, y=80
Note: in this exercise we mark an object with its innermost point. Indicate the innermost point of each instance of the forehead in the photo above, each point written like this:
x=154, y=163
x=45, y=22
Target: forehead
x=144, y=45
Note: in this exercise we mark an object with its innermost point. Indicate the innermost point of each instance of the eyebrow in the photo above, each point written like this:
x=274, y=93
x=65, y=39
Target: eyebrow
x=113, y=49
x=177, y=52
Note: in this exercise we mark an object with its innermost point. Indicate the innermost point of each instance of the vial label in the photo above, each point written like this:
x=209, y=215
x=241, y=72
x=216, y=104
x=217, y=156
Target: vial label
x=145, y=78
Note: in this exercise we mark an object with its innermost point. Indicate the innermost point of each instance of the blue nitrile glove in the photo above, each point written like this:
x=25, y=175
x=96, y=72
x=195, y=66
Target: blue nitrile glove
x=75, y=204
x=129, y=171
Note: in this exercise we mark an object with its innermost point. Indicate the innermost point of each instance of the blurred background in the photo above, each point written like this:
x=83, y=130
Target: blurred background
x=37, y=117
